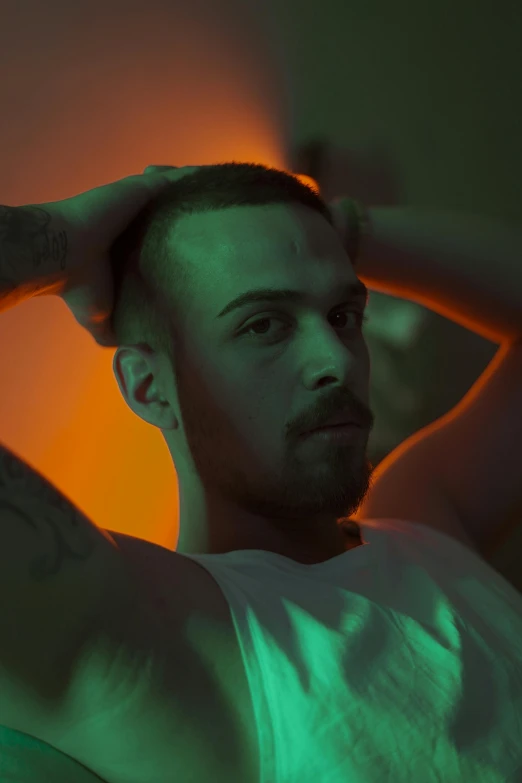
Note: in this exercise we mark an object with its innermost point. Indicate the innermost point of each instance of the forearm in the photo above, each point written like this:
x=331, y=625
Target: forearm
x=33, y=253
x=465, y=267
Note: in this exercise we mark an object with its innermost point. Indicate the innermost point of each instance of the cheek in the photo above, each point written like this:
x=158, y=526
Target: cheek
x=229, y=405
x=254, y=424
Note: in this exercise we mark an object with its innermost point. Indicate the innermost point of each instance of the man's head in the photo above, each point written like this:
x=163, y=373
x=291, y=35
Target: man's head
x=234, y=388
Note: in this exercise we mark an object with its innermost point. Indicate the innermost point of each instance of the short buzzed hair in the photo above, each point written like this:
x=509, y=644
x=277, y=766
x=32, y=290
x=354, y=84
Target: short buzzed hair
x=150, y=280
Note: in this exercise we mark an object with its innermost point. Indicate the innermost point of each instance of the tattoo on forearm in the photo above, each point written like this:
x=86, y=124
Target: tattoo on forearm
x=59, y=526
x=29, y=247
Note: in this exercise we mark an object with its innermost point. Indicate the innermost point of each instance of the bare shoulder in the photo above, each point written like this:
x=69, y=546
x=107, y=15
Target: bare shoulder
x=106, y=635
x=169, y=668
x=58, y=573
x=170, y=580
x=62, y=579
x=405, y=486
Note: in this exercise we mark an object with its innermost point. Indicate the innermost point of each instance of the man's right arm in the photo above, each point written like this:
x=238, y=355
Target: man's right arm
x=59, y=573
x=33, y=253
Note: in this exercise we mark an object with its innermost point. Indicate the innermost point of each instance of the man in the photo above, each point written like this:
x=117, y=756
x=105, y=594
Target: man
x=383, y=663
x=254, y=377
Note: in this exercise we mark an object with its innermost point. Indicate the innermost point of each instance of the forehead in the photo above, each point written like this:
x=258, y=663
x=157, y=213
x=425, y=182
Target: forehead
x=229, y=250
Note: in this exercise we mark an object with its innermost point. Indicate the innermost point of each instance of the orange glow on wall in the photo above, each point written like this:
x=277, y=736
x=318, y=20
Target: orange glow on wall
x=306, y=180
x=64, y=414
x=173, y=91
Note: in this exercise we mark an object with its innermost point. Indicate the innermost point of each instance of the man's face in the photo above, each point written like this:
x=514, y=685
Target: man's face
x=246, y=384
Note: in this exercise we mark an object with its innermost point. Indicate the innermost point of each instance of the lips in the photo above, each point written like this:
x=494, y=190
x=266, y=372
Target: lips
x=337, y=421
x=333, y=426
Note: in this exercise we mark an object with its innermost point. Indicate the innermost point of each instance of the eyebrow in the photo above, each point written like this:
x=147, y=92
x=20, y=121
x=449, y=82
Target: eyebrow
x=351, y=290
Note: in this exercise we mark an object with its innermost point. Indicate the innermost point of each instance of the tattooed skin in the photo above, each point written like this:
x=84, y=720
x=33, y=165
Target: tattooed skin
x=27, y=498
x=30, y=250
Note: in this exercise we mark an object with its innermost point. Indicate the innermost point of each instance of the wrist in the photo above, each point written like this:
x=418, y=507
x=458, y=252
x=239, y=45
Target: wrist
x=33, y=250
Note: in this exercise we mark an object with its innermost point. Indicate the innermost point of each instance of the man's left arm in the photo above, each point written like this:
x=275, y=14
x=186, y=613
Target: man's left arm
x=467, y=268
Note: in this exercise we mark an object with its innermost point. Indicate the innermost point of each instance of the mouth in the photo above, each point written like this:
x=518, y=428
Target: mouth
x=333, y=431
x=326, y=427
x=335, y=426
x=340, y=424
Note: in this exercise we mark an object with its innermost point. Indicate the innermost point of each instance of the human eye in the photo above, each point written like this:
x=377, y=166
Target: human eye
x=248, y=331
x=360, y=319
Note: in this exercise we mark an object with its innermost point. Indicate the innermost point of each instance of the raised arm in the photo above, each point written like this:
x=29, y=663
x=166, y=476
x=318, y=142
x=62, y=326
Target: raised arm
x=33, y=253
x=59, y=573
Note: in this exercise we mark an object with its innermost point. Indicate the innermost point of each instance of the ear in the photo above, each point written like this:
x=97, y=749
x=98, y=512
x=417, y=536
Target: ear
x=138, y=373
